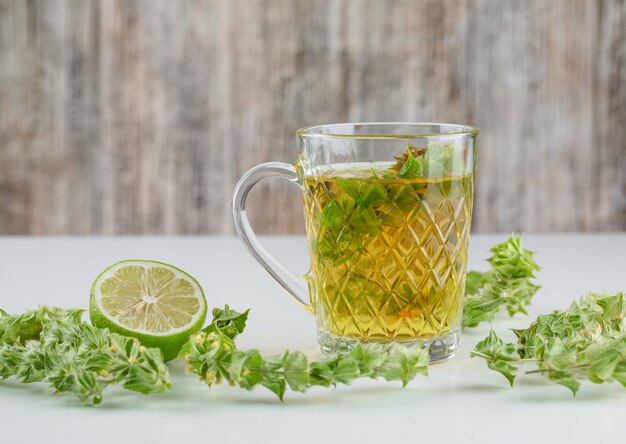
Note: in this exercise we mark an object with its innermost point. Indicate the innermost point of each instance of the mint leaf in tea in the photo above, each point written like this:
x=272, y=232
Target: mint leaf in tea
x=388, y=243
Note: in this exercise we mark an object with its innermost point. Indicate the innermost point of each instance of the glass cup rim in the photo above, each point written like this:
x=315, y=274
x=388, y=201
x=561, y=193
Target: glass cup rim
x=316, y=131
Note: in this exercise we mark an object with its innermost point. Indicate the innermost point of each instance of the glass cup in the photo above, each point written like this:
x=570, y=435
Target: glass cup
x=388, y=210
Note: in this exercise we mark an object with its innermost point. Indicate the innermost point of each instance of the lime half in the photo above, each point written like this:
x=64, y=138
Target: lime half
x=155, y=302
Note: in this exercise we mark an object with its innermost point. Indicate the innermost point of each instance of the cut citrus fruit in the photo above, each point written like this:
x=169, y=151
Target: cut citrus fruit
x=155, y=302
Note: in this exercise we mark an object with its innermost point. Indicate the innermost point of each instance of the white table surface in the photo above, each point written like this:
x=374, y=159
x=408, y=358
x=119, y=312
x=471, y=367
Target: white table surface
x=461, y=401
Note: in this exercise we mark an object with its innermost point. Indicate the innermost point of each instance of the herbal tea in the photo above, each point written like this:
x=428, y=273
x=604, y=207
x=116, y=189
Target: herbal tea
x=388, y=245
x=387, y=239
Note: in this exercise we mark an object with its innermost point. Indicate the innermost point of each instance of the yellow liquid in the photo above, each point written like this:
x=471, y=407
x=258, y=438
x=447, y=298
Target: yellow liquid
x=388, y=256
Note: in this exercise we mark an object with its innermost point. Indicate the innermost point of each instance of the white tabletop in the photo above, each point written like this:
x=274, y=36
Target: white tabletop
x=461, y=401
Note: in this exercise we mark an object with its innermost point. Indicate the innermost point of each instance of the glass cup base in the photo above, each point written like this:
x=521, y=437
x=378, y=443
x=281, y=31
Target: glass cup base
x=440, y=349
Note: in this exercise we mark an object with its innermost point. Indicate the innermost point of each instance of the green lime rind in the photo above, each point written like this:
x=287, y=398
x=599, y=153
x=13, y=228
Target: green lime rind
x=169, y=345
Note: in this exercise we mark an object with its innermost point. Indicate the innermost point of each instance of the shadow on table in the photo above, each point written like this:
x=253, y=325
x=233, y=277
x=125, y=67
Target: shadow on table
x=188, y=395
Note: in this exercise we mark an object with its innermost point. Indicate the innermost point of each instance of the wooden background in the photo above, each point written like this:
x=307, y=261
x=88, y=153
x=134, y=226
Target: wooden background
x=124, y=117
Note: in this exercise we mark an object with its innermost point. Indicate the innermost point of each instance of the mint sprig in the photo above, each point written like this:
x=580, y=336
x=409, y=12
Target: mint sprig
x=52, y=345
x=508, y=284
x=585, y=342
x=213, y=356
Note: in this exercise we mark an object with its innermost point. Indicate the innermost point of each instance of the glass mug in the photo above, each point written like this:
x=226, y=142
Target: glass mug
x=388, y=210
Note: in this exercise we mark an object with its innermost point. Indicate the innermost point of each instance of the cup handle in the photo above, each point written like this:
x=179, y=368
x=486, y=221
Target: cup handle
x=295, y=285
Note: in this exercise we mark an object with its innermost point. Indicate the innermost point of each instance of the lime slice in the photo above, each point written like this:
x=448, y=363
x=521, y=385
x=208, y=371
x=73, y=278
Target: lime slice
x=154, y=302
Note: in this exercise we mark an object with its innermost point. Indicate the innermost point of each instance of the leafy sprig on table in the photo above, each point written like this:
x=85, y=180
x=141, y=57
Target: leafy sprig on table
x=507, y=284
x=585, y=342
x=212, y=355
x=54, y=346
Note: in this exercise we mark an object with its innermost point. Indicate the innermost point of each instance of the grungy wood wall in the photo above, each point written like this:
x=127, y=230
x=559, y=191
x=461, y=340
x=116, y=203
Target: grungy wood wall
x=123, y=117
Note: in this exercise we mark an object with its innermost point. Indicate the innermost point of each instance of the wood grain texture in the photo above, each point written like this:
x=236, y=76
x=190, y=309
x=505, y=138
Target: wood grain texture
x=138, y=117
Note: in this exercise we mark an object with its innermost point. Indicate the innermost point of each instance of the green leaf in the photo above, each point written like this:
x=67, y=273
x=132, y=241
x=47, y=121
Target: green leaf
x=500, y=356
x=334, y=243
x=507, y=284
x=412, y=167
x=275, y=383
x=149, y=374
x=613, y=306
x=435, y=160
x=365, y=221
x=345, y=370
x=333, y=215
x=296, y=371
x=619, y=373
x=511, y=260
x=603, y=364
x=369, y=358
x=474, y=281
x=404, y=364
x=33, y=363
x=364, y=193
x=566, y=379
x=321, y=374
x=10, y=360
x=252, y=371
x=477, y=310
x=230, y=322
